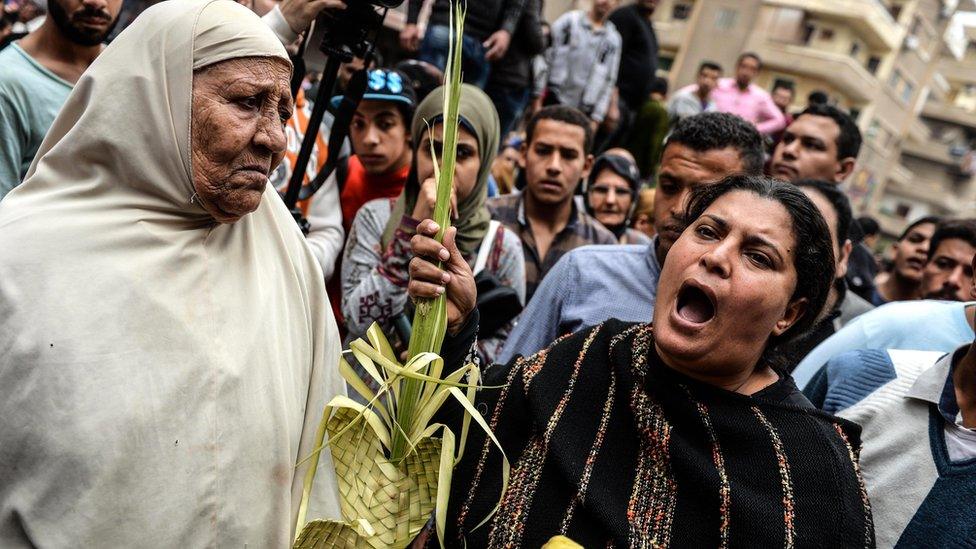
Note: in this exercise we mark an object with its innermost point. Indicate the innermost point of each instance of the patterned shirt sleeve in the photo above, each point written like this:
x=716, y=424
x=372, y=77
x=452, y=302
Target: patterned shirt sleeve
x=374, y=281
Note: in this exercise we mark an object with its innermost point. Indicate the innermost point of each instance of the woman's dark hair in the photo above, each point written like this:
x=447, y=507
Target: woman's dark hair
x=813, y=258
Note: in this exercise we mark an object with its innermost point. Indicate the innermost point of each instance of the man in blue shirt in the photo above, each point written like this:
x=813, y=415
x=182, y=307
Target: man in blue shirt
x=918, y=414
x=595, y=283
x=920, y=325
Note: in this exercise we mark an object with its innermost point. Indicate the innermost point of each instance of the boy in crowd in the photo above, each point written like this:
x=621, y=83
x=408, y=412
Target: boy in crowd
x=904, y=282
x=696, y=99
x=918, y=415
x=930, y=324
x=554, y=158
x=595, y=283
x=380, y=137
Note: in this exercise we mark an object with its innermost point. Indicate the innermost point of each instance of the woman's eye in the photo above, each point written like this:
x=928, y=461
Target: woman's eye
x=252, y=102
x=760, y=259
x=464, y=152
x=705, y=231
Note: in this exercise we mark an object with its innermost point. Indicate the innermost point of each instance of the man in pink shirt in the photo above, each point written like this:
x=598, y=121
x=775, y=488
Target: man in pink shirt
x=740, y=96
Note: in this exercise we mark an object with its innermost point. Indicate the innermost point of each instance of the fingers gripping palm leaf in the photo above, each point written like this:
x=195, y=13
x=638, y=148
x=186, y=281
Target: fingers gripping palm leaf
x=392, y=464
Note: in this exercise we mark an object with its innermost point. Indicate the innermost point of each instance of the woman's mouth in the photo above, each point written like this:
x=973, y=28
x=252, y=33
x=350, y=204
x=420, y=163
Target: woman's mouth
x=695, y=305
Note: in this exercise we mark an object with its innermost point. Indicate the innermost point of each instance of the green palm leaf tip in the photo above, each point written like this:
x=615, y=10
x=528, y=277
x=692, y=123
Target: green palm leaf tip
x=430, y=317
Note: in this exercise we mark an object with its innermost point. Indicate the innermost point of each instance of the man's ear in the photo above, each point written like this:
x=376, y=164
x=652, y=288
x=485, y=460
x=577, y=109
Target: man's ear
x=845, y=256
x=845, y=170
x=794, y=311
x=587, y=166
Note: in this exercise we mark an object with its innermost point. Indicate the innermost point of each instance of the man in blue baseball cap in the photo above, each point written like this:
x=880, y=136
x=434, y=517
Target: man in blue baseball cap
x=380, y=137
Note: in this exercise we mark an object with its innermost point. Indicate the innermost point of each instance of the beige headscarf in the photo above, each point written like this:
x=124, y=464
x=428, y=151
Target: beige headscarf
x=160, y=374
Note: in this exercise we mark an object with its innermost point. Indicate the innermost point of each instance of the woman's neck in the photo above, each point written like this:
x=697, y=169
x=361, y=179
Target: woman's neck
x=746, y=381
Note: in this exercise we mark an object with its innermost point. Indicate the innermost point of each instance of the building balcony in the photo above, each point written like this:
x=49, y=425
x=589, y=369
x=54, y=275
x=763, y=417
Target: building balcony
x=960, y=71
x=931, y=150
x=842, y=72
x=949, y=113
x=670, y=34
x=869, y=18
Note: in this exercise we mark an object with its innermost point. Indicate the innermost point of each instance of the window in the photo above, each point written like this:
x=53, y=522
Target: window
x=855, y=48
x=665, y=63
x=726, y=18
x=895, y=80
x=907, y=91
x=808, y=31
x=873, y=62
x=826, y=34
x=902, y=210
x=681, y=11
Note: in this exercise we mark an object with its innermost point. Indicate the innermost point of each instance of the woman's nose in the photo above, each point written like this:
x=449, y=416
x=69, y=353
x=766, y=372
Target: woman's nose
x=716, y=260
x=271, y=134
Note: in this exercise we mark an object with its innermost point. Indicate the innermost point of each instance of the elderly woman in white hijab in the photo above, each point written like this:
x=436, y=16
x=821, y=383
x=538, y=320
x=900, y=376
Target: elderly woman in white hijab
x=166, y=343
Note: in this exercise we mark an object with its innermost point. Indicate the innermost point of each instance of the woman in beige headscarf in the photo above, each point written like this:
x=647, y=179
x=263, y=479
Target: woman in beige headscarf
x=166, y=343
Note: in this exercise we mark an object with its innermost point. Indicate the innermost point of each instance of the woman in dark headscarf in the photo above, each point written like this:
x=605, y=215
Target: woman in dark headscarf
x=678, y=433
x=374, y=268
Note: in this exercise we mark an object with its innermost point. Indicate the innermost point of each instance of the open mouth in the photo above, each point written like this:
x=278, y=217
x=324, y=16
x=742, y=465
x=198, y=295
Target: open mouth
x=694, y=305
x=915, y=263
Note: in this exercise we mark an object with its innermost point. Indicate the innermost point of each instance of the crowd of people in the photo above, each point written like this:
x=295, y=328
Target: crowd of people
x=687, y=337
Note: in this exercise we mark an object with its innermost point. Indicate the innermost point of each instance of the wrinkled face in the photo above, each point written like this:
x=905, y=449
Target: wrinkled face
x=912, y=252
x=380, y=137
x=746, y=71
x=610, y=198
x=949, y=274
x=468, y=160
x=808, y=150
x=708, y=80
x=727, y=286
x=85, y=22
x=683, y=169
x=555, y=161
x=782, y=98
x=237, y=135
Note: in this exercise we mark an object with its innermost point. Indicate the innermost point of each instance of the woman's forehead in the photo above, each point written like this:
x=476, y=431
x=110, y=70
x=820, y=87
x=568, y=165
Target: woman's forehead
x=751, y=214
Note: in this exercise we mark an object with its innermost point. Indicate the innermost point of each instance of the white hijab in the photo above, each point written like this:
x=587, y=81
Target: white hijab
x=160, y=374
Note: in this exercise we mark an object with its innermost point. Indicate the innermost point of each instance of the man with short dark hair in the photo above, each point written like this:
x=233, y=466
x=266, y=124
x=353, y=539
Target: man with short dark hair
x=38, y=72
x=553, y=159
x=926, y=325
x=948, y=272
x=740, y=96
x=822, y=143
x=696, y=99
x=592, y=284
x=904, y=281
x=782, y=95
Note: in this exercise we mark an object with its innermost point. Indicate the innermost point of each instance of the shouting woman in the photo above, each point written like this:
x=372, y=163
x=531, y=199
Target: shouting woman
x=683, y=432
